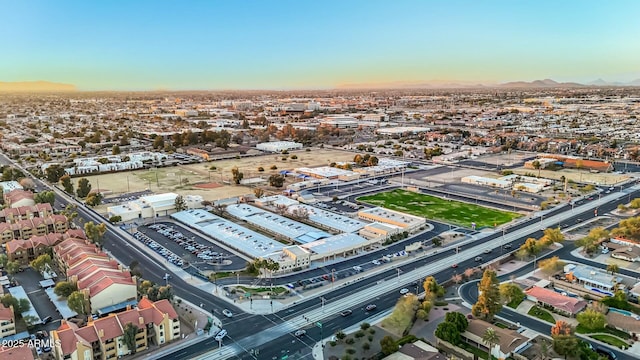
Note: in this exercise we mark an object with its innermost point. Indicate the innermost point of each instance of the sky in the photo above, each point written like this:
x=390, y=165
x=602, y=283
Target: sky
x=304, y=44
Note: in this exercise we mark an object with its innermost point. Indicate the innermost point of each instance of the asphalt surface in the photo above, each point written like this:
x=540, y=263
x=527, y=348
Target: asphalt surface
x=120, y=247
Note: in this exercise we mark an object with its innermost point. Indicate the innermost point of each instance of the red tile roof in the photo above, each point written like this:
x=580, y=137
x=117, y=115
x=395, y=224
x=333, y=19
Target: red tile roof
x=16, y=353
x=558, y=301
x=6, y=313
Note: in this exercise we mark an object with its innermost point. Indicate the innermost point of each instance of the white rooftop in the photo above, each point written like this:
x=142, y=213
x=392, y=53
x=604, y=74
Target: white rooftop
x=238, y=237
x=278, y=224
x=329, y=219
x=336, y=243
x=324, y=171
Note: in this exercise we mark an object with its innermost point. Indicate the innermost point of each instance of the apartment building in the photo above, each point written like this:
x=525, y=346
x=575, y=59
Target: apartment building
x=12, y=215
x=107, y=286
x=17, y=198
x=156, y=323
x=37, y=226
x=7, y=322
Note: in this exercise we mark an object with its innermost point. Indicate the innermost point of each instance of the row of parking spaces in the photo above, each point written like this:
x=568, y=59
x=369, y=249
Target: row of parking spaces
x=201, y=251
x=311, y=283
x=166, y=253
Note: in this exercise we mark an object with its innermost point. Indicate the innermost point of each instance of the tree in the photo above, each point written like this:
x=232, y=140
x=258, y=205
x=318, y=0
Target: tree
x=488, y=303
x=258, y=192
x=12, y=267
x=84, y=188
x=95, y=233
x=45, y=197
x=40, y=263
x=635, y=203
x=565, y=345
x=77, y=302
x=613, y=268
x=94, y=199
x=551, y=265
x=388, y=345
x=457, y=319
x=237, y=175
x=590, y=242
x=23, y=305
x=552, y=235
x=115, y=150
x=64, y=288
x=432, y=289
x=115, y=219
x=591, y=319
x=3, y=260
x=54, y=173
x=537, y=165
x=628, y=228
x=448, y=332
x=180, y=203
x=530, y=247
x=27, y=183
x=403, y=313
x=561, y=328
x=276, y=180
x=490, y=337
x=130, y=331
x=510, y=292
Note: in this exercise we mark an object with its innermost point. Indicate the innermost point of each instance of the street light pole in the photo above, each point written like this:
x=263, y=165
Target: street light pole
x=399, y=271
x=322, y=299
x=333, y=277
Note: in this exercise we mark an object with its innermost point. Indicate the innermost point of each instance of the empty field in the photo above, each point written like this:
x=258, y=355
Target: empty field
x=435, y=208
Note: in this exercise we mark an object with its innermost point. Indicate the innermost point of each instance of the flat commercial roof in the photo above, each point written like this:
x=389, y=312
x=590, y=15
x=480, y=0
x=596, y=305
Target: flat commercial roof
x=238, y=237
x=324, y=171
x=391, y=215
x=275, y=223
x=331, y=220
x=60, y=304
x=336, y=243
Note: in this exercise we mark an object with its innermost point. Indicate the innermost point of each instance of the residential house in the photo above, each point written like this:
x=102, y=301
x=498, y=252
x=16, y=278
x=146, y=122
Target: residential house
x=103, y=338
x=418, y=350
x=562, y=304
x=510, y=341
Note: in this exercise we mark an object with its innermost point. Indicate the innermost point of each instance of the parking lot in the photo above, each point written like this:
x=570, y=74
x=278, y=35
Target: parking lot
x=183, y=248
x=29, y=280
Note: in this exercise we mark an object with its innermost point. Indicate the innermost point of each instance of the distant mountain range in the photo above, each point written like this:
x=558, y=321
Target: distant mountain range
x=35, y=86
x=440, y=84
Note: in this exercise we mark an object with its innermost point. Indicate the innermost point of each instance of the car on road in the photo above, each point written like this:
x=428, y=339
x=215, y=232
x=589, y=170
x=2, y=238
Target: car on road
x=454, y=266
x=478, y=258
x=370, y=307
x=300, y=333
x=46, y=320
x=346, y=313
x=227, y=313
x=507, y=246
x=357, y=268
x=404, y=291
x=376, y=262
x=487, y=251
x=220, y=335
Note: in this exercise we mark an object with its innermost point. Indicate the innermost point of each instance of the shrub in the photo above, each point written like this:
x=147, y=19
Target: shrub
x=349, y=341
x=364, y=326
x=359, y=334
x=351, y=351
x=273, y=167
x=332, y=343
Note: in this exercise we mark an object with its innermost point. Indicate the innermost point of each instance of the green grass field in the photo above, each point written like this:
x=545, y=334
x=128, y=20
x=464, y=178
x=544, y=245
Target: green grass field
x=435, y=208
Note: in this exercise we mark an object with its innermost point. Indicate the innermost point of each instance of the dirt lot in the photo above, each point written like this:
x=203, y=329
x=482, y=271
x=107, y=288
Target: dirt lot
x=577, y=176
x=185, y=179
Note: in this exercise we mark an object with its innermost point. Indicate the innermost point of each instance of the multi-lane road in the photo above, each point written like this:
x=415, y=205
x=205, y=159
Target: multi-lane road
x=272, y=334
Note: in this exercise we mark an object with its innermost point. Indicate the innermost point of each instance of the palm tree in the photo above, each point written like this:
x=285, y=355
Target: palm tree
x=613, y=268
x=537, y=165
x=490, y=337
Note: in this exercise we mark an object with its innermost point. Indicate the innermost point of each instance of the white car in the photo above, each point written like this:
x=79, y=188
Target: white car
x=376, y=262
x=404, y=291
x=300, y=333
x=220, y=335
x=227, y=313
